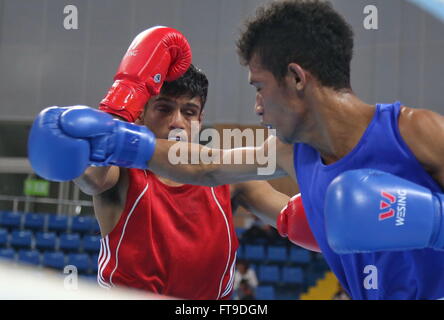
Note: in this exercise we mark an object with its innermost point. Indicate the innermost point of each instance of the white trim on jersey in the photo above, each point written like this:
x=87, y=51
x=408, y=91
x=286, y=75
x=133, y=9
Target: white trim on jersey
x=229, y=242
x=105, y=259
x=124, y=228
x=231, y=281
x=99, y=262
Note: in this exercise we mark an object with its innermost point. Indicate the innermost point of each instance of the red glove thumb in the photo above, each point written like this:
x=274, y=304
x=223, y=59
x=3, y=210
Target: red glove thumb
x=292, y=223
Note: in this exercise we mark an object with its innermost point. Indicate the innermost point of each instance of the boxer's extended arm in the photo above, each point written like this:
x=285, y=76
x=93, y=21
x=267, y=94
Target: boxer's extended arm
x=96, y=180
x=64, y=142
x=423, y=131
x=261, y=199
x=277, y=209
x=224, y=171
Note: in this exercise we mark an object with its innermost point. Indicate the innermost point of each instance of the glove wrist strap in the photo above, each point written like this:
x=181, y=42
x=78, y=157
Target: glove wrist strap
x=134, y=146
x=437, y=239
x=125, y=99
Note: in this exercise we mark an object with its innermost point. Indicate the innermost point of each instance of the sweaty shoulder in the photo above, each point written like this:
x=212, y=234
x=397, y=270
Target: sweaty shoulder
x=423, y=131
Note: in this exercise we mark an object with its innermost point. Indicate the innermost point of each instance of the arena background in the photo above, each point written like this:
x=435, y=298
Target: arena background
x=43, y=64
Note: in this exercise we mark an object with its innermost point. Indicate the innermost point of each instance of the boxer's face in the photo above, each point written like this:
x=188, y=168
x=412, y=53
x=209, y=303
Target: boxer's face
x=165, y=113
x=276, y=104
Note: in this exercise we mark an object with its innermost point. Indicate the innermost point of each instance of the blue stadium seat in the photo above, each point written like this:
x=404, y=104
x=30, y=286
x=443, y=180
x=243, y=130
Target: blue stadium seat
x=92, y=279
x=7, y=254
x=29, y=257
x=269, y=273
x=69, y=242
x=45, y=241
x=239, y=232
x=320, y=264
x=54, y=260
x=299, y=256
x=91, y=243
x=240, y=253
x=265, y=293
x=3, y=237
x=34, y=221
x=95, y=229
x=292, y=275
x=11, y=220
x=57, y=223
x=94, y=263
x=80, y=260
x=82, y=224
x=288, y=292
x=312, y=277
x=254, y=252
x=277, y=254
x=260, y=241
x=21, y=239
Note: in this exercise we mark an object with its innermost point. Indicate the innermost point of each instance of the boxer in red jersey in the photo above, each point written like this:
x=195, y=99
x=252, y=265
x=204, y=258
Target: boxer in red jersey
x=162, y=236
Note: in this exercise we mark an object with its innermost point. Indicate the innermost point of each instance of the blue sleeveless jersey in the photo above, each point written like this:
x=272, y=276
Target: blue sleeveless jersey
x=414, y=274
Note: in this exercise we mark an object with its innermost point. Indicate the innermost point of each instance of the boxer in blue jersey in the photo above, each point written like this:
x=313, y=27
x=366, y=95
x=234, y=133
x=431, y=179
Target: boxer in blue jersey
x=299, y=54
x=371, y=176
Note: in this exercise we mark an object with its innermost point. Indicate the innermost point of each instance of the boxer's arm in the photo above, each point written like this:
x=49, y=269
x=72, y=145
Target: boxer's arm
x=225, y=171
x=423, y=132
x=96, y=180
x=64, y=142
x=261, y=199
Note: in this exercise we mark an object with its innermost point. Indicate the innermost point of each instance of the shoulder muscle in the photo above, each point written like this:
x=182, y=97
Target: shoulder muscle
x=423, y=131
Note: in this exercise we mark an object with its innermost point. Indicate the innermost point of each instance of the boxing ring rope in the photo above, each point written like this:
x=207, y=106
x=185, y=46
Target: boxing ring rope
x=26, y=199
x=18, y=282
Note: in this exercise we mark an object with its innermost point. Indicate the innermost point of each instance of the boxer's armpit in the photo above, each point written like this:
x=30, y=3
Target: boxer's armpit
x=109, y=205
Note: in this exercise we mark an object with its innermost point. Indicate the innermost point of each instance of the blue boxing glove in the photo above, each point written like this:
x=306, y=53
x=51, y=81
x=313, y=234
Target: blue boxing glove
x=63, y=142
x=369, y=210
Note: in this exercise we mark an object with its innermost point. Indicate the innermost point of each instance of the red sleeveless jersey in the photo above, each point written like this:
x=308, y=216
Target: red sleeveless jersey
x=175, y=241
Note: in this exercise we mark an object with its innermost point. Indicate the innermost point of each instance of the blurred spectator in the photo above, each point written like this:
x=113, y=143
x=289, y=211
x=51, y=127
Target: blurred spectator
x=244, y=272
x=260, y=230
x=341, y=294
x=245, y=291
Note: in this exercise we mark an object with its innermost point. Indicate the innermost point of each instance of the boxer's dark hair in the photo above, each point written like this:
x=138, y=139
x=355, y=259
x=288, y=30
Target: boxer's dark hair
x=193, y=83
x=307, y=32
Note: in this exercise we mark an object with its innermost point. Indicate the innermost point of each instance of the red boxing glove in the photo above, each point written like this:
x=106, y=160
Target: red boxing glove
x=156, y=55
x=293, y=223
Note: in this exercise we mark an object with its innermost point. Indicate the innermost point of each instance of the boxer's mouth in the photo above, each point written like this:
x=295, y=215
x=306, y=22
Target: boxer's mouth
x=177, y=135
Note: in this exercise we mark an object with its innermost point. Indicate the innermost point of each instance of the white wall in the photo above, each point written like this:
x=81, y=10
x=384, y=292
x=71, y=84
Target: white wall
x=43, y=64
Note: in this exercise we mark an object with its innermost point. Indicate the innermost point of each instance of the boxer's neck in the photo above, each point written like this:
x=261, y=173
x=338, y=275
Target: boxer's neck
x=340, y=119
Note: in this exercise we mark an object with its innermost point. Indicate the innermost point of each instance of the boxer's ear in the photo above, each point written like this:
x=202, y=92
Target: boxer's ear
x=201, y=116
x=297, y=76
